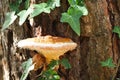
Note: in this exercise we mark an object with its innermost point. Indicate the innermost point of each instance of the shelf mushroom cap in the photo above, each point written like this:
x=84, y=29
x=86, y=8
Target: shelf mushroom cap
x=51, y=47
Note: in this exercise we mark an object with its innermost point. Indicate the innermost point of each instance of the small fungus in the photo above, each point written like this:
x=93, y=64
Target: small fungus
x=51, y=47
x=39, y=61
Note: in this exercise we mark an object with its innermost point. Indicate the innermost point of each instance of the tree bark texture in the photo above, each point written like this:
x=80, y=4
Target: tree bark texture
x=96, y=43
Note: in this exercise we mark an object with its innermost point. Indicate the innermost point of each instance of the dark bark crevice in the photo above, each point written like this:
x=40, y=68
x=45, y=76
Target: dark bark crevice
x=114, y=11
x=7, y=43
x=84, y=49
x=112, y=19
x=10, y=44
x=111, y=12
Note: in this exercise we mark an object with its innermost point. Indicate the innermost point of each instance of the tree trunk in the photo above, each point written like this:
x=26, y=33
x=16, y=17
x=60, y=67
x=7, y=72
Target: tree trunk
x=96, y=43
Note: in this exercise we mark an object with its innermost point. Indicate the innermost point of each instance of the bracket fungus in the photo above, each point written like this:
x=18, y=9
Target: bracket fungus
x=51, y=47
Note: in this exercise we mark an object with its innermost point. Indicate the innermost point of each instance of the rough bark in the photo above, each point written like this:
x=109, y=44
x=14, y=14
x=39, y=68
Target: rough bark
x=11, y=58
x=96, y=43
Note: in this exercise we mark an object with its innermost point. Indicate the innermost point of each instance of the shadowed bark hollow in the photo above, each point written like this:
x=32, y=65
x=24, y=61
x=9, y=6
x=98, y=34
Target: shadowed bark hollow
x=96, y=43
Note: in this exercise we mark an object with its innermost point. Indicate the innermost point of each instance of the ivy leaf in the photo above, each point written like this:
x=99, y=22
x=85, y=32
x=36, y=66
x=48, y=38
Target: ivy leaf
x=74, y=12
x=72, y=2
x=83, y=9
x=65, y=63
x=22, y=18
x=108, y=63
x=53, y=63
x=23, y=15
x=27, y=3
x=72, y=17
x=49, y=74
x=80, y=2
x=76, y=2
x=27, y=66
x=53, y=3
x=74, y=22
x=44, y=7
x=9, y=19
x=38, y=9
x=117, y=30
x=15, y=5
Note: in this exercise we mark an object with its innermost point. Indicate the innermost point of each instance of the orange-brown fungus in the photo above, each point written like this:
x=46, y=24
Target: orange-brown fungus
x=51, y=47
x=39, y=61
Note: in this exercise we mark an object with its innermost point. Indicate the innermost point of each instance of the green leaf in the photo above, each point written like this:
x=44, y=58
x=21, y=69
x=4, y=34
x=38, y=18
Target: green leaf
x=56, y=77
x=76, y=2
x=23, y=15
x=19, y=1
x=65, y=63
x=44, y=7
x=27, y=66
x=108, y=63
x=27, y=4
x=74, y=22
x=117, y=30
x=83, y=9
x=53, y=63
x=53, y=3
x=50, y=74
x=14, y=6
x=74, y=12
x=9, y=19
x=80, y=2
x=72, y=2
x=72, y=17
x=39, y=8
